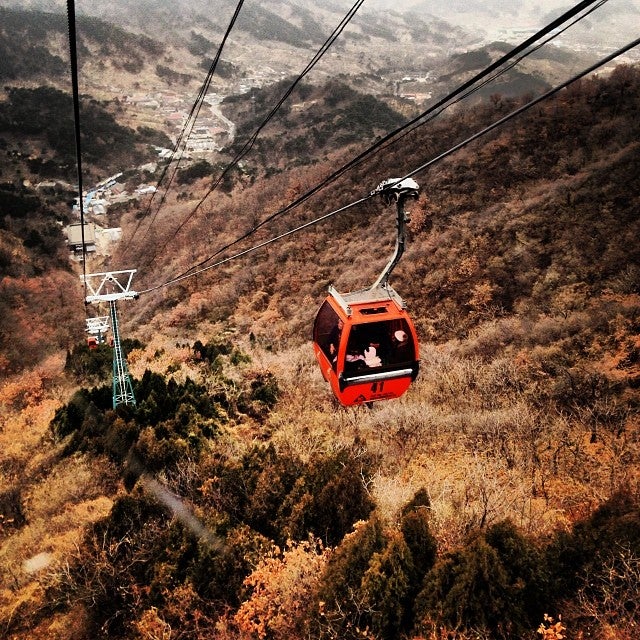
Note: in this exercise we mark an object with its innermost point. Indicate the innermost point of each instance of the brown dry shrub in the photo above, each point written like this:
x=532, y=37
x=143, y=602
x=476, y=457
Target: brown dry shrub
x=281, y=593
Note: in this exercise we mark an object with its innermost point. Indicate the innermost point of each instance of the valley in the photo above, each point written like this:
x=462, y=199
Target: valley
x=498, y=498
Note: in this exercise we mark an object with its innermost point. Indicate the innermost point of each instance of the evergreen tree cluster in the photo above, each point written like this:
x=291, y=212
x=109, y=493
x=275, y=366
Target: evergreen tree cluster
x=334, y=115
x=48, y=113
x=198, y=537
x=25, y=37
x=170, y=420
x=384, y=581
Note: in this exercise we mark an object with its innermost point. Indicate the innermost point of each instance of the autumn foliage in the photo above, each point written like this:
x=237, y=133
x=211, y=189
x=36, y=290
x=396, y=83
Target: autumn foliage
x=498, y=499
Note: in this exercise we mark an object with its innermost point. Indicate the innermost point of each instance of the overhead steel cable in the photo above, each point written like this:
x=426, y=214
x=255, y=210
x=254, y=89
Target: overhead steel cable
x=248, y=145
x=526, y=107
x=411, y=127
x=415, y=171
x=188, y=125
x=73, y=57
x=258, y=246
x=419, y=120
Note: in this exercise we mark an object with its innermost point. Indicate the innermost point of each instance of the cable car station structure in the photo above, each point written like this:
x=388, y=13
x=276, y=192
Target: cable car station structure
x=110, y=287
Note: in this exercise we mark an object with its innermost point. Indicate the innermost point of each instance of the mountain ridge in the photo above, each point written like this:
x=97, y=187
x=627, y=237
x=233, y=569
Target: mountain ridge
x=236, y=499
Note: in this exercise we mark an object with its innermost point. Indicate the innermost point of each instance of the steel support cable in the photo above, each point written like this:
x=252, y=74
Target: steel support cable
x=404, y=131
x=196, y=110
x=258, y=246
x=436, y=109
x=415, y=171
x=73, y=57
x=248, y=145
x=526, y=107
x=189, y=123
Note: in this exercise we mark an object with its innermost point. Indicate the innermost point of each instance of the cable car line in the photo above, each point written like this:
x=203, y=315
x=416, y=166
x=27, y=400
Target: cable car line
x=526, y=107
x=301, y=199
x=433, y=110
x=188, y=124
x=73, y=57
x=410, y=127
x=419, y=169
x=375, y=321
x=248, y=145
x=306, y=225
x=467, y=87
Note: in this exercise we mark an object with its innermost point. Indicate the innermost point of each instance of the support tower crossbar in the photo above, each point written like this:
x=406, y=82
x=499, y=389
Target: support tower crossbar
x=97, y=326
x=110, y=287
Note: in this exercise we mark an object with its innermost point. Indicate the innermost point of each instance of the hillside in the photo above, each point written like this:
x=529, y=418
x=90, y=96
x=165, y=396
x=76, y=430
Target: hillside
x=38, y=171
x=236, y=500
x=34, y=46
x=148, y=48
x=312, y=124
x=133, y=43
x=489, y=188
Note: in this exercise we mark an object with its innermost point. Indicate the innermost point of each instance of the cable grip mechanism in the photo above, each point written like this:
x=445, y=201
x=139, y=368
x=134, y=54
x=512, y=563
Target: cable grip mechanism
x=395, y=190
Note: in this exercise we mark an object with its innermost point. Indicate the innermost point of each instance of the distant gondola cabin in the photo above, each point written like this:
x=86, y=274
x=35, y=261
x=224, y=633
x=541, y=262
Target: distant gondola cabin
x=94, y=341
x=366, y=345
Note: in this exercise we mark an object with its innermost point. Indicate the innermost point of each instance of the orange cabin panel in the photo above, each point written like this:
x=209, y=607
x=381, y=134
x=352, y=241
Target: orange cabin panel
x=367, y=351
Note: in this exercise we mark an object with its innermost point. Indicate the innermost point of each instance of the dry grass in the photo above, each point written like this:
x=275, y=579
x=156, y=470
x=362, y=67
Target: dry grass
x=464, y=432
x=53, y=533
x=468, y=431
x=59, y=497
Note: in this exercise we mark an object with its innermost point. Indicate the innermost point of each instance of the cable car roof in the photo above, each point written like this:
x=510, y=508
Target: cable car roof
x=362, y=297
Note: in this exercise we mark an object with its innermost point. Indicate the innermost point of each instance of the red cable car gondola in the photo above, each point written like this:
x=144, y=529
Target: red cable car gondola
x=96, y=328
x=364, y=341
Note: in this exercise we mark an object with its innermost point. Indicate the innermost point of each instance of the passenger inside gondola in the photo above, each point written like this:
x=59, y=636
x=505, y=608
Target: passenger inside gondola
x=328, y=331
x=334, y=342
x=378, y=344
x=363, y=349
x=401, y=350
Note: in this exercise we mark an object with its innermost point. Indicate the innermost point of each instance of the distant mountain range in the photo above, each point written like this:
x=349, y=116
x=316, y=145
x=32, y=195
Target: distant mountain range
x=305, y=20
x=394, y=61
x=149, y=45
x=614, y=23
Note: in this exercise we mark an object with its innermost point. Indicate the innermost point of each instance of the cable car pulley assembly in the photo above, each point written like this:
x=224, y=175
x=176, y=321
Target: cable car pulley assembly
x=97, y=328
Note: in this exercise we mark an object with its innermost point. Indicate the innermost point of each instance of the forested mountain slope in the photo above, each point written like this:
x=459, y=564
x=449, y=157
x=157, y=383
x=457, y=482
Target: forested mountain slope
x=236, y=500
x=38, y=290
x=540, y=207
x=153, y=44
x=34, y=46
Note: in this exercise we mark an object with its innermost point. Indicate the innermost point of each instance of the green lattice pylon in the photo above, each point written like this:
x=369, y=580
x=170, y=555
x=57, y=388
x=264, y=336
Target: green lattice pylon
x=122, y=386
x=111, y=286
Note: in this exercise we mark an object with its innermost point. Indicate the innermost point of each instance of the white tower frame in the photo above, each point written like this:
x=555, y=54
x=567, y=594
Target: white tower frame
x=111, y=286
x=97, y=326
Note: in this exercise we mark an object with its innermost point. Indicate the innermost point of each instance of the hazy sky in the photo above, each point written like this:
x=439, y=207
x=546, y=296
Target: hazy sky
x=614, y=24
x=501, y=14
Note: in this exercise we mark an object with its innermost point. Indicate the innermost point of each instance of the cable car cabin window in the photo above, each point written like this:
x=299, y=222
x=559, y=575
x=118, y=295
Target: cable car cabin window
x=378, y=346
x=369, y=311
x=326, y=332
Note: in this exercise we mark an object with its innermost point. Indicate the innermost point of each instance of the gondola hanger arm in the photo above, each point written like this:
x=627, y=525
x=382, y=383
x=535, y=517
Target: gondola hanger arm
x=396, y=190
